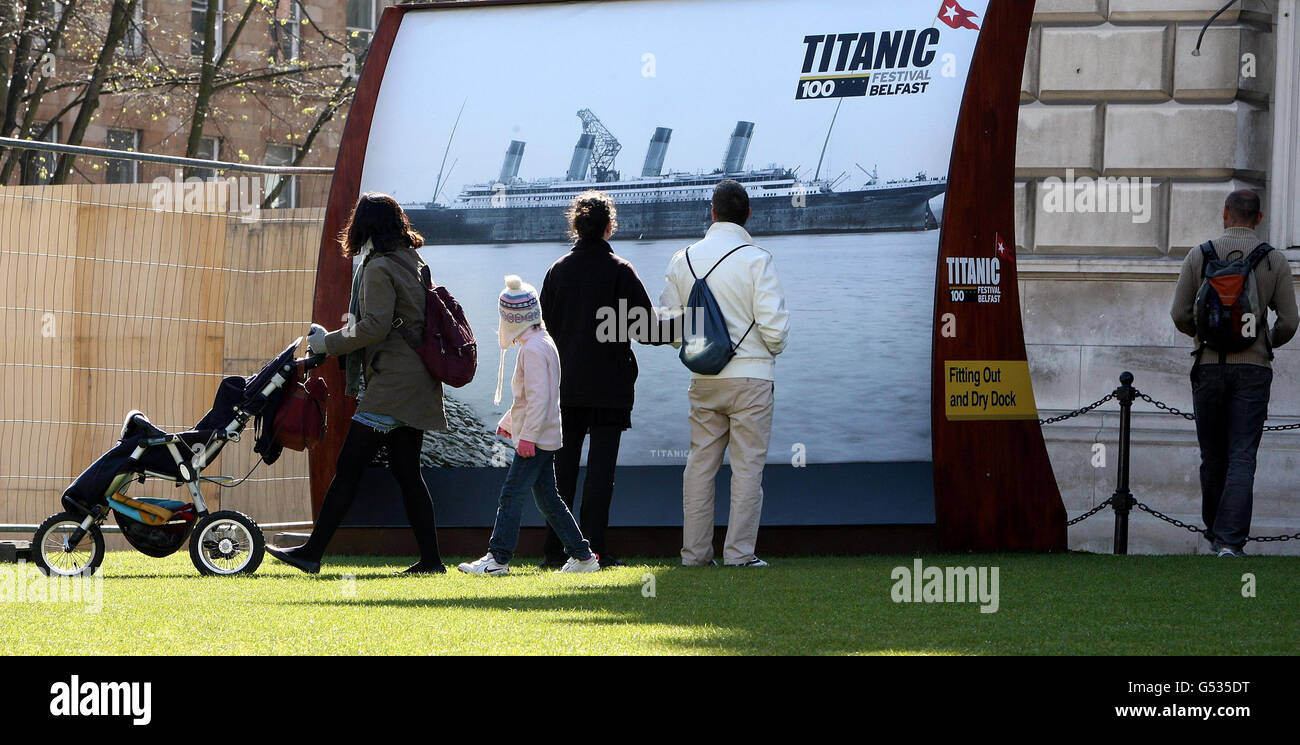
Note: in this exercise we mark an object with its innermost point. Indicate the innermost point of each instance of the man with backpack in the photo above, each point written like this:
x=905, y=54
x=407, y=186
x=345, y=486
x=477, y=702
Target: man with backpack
x=735, y=324
x=1225, y=289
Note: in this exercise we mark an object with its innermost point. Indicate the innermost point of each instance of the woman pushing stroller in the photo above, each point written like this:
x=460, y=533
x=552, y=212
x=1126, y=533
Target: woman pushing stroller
x=397, y=400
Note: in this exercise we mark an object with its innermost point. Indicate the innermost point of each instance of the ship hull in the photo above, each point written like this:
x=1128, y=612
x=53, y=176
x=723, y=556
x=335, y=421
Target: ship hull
x=888, y=209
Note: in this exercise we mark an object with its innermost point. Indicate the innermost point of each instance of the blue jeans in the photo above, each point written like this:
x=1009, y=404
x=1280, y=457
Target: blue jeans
x=1231, y=404
x=381, y=423
x=537, y=474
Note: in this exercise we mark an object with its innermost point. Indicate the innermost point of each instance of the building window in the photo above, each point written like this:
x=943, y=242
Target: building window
x=361, y=24
x=282, y=155
x=198, y=19
x=121, y=170
x=38, y=165
x=132, y=43
x=51, y=13
x=209, y=149
x=286, y=31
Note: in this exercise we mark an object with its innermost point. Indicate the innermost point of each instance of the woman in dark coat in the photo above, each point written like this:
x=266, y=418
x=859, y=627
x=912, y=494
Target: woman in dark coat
x=598, y=373
x=397, y=399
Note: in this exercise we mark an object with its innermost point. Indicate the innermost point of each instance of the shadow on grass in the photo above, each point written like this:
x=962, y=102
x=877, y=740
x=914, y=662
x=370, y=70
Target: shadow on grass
x=716, y=611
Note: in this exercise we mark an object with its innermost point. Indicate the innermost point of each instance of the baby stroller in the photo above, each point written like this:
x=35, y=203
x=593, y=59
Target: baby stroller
x=227, y=542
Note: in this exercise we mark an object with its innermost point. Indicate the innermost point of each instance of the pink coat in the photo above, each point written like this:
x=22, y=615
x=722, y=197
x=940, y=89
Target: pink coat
x=535, y=413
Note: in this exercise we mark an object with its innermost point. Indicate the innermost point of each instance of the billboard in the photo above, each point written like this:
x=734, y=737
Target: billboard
x=485, y=119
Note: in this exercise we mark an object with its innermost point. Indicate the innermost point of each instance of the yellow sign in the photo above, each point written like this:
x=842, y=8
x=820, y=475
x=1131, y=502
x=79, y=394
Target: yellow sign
x=987, y=391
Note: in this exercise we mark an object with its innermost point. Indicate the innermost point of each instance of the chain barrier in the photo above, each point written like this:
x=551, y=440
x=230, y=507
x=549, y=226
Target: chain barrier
x=1156, y=403
x=1192, y=417
x=1078, y=412
x=1171, y=520
x=1166, y=407
x=1125, y=394
x=1274, y=538
x=1090, y=512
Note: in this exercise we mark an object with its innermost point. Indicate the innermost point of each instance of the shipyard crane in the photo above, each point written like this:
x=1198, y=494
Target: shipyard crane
x=603, y=150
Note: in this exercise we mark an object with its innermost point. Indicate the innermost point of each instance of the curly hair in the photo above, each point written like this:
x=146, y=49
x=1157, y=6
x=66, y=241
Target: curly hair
x=591, y=213
x=379, y=220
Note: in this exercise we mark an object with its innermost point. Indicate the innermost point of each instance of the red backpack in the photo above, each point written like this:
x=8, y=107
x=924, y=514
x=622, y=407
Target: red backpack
x=447, y=348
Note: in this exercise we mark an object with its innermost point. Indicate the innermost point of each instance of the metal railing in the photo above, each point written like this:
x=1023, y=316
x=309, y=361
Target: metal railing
x=173, y=160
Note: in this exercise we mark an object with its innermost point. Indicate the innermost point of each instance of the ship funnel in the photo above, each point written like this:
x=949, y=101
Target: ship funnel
x=581, y=158
x=510, y=167
x=654, y=157
x=738, y=148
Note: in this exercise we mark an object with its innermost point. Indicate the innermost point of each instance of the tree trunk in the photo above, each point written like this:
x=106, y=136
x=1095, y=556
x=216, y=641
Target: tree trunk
x=33, y=101
x=22, y=66
x=8, y=29
x=118, y=20
x=212, y=62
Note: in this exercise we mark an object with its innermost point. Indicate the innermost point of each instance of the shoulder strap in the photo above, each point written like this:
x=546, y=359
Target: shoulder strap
x=691, y=267
x=1207, y=255
x=742, y=336
x=724, y=257
x=1257, y=256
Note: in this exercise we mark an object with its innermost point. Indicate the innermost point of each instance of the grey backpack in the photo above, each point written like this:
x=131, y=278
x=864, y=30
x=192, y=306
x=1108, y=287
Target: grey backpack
x=1227, y=298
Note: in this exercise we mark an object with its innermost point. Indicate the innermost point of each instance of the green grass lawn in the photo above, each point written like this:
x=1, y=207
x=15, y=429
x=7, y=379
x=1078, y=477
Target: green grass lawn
x=1057, y=604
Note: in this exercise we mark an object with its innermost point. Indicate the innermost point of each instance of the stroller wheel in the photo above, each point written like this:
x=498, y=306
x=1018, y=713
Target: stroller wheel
x=54, y=552
x=225, y=543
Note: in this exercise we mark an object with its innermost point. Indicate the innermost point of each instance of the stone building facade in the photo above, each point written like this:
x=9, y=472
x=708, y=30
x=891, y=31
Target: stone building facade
x=1112, y=89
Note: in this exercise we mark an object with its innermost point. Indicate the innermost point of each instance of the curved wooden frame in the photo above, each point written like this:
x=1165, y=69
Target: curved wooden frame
x=993, y=483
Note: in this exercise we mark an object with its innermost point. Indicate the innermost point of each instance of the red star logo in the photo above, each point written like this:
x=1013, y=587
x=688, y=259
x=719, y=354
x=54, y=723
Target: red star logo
x=956, y=16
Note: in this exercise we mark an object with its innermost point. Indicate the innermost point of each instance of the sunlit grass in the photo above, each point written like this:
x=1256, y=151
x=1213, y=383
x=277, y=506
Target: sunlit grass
x=1058, y=604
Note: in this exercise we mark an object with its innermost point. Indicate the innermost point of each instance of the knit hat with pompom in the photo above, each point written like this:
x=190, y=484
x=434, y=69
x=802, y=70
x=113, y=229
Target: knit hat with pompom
x=519, y=311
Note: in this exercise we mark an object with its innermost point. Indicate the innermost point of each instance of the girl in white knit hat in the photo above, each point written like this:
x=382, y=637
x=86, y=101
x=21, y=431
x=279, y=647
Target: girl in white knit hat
x=533, y=423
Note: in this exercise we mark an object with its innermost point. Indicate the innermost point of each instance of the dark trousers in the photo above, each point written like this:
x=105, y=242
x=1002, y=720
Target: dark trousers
x=1231, y=404
x=597, y=488
x=403, y=462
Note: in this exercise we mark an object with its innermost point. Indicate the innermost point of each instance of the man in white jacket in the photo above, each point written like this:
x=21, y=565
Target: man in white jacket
x=733, y=407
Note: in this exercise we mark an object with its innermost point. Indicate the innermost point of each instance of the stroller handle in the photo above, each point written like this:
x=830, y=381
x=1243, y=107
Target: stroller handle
x=316, y=360
x=312, y=362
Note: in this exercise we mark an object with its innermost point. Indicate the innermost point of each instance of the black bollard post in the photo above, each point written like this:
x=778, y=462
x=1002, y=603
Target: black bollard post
x=1122, y=500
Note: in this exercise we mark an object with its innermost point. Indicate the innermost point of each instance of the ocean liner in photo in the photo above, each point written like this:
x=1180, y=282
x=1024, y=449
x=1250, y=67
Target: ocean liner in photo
x=658, y=205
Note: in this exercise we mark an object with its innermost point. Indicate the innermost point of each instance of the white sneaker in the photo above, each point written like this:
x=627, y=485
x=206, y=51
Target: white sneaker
x=590, y=565
x=486, y=565
x=754, y=562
